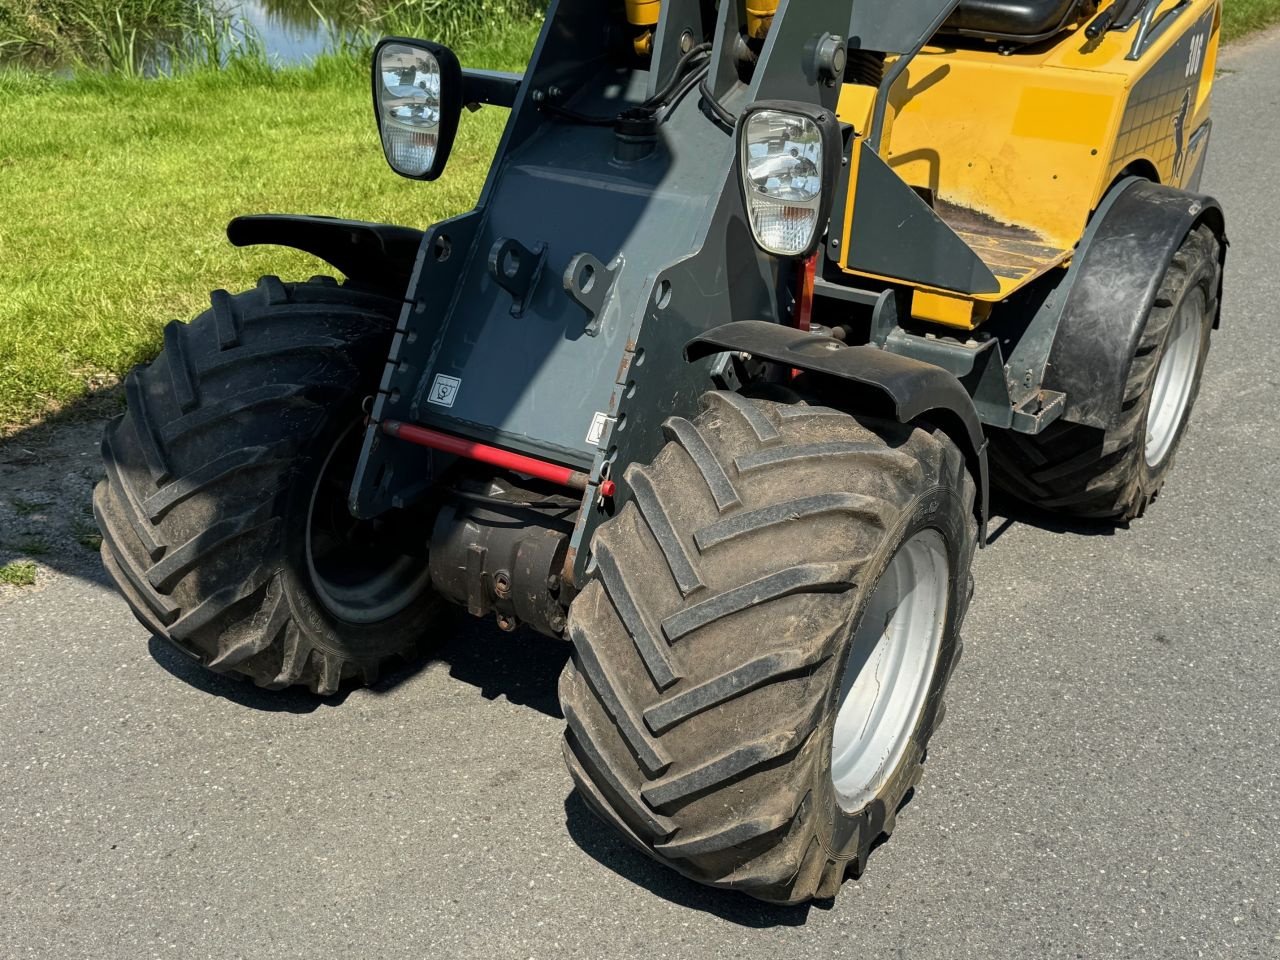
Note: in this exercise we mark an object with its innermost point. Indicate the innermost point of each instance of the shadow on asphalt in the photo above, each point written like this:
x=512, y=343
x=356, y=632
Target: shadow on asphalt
x=231, y=687
x=1008, y=513
x=606, y=846
x=521, y=667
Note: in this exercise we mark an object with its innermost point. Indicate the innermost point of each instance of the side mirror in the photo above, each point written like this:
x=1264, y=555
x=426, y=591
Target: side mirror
x=417, y=96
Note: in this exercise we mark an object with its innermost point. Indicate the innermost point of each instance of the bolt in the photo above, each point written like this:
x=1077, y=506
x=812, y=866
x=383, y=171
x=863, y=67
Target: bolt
x=538, y=96
x=502, y=584
x=554, y=92
x=686, y=41
x=829, y=58
x=505, y=623
x=553, y=583
x=556, y=621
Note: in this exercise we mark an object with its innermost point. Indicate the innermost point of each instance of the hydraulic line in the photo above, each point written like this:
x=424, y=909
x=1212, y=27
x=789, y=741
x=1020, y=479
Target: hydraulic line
x=494, y=456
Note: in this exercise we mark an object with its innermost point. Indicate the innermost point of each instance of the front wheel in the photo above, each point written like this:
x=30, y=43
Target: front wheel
x=224, y=509
x=760, y=657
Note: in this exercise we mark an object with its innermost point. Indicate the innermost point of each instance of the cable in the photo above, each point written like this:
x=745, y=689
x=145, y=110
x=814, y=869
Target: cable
x=661, y=97
x=688, y=84
x=724, y=116
x=674, y=88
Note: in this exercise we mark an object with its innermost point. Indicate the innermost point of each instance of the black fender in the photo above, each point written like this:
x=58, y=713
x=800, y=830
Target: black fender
x=376, y=254
x=1119, y=266
x=910, y=389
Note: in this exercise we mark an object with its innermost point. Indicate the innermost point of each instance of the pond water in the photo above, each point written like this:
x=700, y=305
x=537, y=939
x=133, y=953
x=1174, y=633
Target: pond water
x=291, y=31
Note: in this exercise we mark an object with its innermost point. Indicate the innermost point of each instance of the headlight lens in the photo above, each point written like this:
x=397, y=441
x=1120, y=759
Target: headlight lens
x=409, y=107
x=782, y=170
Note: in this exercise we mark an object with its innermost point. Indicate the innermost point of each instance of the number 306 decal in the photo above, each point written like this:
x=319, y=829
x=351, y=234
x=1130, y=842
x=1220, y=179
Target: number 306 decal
x=1195, y=57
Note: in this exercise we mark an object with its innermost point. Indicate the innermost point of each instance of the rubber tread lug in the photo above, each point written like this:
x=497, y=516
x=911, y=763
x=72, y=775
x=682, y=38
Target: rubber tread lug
x=255, y=640
x=186, y=487
x=589, y=754
x=165, y=609
x=733, y=765
x=182, y=560
x=695, y=445
x=655, y=515
x=232, y=406
x=750, y=413
x=157, y=466
x=274, y=292
x=175, y=351
x=225, y=321
x=652, y=651
x=806, y=578
x=133, y=510
x=714, y=534
x=651, y=756
x=756, y=673
x=774, y=456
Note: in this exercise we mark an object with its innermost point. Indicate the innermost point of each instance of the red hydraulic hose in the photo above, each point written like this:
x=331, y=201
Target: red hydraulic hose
x=495, y=456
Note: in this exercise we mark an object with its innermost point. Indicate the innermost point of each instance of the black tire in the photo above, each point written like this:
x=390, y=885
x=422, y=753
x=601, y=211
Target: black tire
x=1085, y=472
x=710, y=643
x=208, y=501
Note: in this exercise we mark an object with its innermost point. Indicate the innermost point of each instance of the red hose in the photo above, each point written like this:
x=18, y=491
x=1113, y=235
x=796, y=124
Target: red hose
x=495, y=456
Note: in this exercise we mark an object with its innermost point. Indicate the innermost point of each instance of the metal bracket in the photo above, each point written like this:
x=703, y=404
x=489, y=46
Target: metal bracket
x=587, y=281
x=493, y=87
x=516, y=269
x=1149, y=27
x=886, y=316
x=1038, y=411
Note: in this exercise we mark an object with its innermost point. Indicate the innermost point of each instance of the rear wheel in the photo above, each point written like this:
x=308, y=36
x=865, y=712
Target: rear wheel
x=760, y=657
x=224, y=509
x=1116, y=473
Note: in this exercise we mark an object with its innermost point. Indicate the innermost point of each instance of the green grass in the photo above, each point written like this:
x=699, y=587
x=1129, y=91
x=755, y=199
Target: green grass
x=116, y=192
x=18, y=573
x=1240, y=17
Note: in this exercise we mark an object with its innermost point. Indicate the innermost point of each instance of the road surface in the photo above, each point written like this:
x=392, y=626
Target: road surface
x=1107, y=783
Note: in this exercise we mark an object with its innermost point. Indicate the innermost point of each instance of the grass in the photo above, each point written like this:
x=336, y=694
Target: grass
x=117, y=191
x=1240, y=17
x=18, y=573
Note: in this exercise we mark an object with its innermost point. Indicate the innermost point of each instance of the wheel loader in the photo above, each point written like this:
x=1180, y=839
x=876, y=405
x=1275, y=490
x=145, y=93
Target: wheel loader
x=759, y=301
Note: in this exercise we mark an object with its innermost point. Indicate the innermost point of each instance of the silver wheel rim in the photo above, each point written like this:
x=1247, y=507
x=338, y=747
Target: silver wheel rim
x=362, y=586
x=891, y=664
x=1171, y=391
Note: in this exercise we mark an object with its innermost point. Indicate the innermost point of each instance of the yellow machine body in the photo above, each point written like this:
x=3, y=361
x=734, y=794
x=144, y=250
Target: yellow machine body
x=1014, y=149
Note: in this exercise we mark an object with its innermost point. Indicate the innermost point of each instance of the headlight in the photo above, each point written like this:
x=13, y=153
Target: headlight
x=417, y=93
x=788, y=154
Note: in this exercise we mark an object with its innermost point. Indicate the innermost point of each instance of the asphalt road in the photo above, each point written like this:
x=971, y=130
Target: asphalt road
x=1106, y=784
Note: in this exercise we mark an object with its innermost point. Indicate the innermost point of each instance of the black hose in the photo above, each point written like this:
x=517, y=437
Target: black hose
x=661, y=98
x=676, y=84
x=709, y=98
x=688, y=84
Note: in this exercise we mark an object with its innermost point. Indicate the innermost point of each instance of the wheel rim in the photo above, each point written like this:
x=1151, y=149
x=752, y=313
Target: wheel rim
x=358, y=568
x=891, y=665
x=1174, y=377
